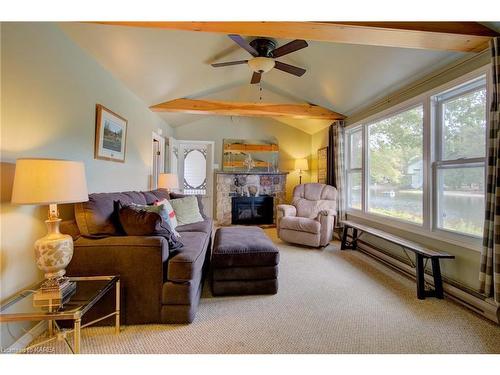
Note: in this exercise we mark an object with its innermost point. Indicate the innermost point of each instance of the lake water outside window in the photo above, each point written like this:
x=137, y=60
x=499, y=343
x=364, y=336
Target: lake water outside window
x=395, y=166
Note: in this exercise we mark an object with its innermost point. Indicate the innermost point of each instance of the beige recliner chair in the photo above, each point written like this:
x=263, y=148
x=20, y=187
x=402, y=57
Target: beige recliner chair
x=310, y=219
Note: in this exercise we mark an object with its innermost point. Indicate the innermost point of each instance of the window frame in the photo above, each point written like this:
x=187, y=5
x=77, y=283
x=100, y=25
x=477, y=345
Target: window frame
x=428, y=227
x=349, y=169
x=440, y=163
x=410, y=105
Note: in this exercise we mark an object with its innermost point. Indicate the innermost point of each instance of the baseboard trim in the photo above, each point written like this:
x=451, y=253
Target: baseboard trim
x=23, y=341
x=472, y=300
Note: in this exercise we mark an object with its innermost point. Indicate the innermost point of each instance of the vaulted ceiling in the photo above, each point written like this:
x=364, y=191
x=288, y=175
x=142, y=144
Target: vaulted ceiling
x=161, y=65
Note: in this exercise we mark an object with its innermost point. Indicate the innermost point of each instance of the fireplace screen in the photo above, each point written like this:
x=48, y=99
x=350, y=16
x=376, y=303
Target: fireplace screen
x=252, y=210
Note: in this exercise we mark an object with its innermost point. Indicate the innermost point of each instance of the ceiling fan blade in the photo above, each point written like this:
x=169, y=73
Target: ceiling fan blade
x=295, y=70
x=293, y=46
x=243, y=44
x=256, y=78
x=216, y=65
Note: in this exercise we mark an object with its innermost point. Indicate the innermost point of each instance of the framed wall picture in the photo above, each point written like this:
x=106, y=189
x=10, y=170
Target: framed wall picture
x=110, y=135
x=322, y=164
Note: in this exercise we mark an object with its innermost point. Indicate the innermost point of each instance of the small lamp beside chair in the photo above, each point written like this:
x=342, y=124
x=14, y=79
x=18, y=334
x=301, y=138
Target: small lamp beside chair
x=302, y=165
x=168, y=181
x=50, y=182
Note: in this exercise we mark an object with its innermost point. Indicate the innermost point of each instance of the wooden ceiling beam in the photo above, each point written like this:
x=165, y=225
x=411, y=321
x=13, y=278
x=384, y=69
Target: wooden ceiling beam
x=223, y=108
x=448, y=36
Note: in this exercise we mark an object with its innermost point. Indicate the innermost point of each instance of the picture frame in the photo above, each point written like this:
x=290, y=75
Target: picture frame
x=110, y=135
x=322, y=164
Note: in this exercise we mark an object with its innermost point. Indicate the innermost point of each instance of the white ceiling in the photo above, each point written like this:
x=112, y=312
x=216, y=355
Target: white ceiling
x=161, y=65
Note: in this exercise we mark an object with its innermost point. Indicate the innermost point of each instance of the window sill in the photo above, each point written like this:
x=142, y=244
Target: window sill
x=447, y=237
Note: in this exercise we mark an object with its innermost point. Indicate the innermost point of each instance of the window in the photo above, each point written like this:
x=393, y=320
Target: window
x=395, y=166
x=194, y=168
x=460, y=158
x=423, y=163
x=354, y=168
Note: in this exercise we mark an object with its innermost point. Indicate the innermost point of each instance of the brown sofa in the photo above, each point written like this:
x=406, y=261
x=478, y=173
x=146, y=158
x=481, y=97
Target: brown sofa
x=158, y=286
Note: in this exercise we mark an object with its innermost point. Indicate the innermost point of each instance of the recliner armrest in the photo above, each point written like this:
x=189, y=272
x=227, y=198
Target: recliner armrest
x=286, y=210
x=327, y=212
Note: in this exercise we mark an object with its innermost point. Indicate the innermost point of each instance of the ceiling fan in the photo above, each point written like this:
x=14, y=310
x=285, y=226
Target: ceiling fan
x=264, y=52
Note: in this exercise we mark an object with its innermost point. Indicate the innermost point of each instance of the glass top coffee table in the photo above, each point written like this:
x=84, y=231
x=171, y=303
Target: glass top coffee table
x=89, y=290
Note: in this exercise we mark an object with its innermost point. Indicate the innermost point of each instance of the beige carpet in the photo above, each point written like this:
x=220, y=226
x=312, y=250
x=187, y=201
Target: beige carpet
x=328, y=302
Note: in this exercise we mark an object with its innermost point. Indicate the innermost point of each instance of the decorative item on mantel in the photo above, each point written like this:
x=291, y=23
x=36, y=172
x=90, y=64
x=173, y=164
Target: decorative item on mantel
x=241, y=155
x=51, y=182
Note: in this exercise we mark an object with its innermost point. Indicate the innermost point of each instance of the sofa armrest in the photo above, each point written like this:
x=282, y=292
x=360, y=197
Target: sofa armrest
x=140, y=261
x=286, y=210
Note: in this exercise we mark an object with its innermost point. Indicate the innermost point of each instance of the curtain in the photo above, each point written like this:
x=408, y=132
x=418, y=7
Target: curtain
x=489, y=275
x=335, y=165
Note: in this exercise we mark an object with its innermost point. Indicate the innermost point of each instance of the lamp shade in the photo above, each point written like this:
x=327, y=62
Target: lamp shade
x=168, y=181
x=302, y=164
x=48, y=181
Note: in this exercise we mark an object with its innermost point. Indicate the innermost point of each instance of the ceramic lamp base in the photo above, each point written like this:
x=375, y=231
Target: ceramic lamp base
x=54, y=251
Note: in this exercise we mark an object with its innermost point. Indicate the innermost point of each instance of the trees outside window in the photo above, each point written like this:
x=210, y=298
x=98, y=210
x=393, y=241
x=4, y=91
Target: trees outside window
x=395, y=154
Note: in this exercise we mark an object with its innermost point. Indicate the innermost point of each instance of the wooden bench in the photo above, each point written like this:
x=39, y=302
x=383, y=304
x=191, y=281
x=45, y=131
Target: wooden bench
x=421, y=253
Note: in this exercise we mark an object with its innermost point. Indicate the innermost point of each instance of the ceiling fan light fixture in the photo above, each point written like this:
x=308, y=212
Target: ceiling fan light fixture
x=261, y=64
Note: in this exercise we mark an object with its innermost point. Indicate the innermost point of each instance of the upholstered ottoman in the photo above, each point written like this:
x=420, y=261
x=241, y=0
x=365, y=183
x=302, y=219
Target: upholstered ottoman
x=244, y=261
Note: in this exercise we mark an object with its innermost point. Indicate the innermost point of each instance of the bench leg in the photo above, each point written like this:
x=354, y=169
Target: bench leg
x=354, y=243
x=349, y=245
x=420, y=277
x=438, y=280
x=343, y=244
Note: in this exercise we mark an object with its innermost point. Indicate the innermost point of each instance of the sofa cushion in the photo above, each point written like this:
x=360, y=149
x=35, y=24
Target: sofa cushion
x=243, y=247
x=188, y=261
x=300, y=224
x=204, y=226
x=95, y=217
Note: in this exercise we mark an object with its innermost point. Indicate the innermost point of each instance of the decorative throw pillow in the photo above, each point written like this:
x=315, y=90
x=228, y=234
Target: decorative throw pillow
x=198, y=197
x=186, y=210
x=137, y=222
x=165, y=210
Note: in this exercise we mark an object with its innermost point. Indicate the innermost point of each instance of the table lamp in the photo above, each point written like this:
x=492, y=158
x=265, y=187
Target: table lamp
x=168, y=181
x=50, y=182
x=301, y=165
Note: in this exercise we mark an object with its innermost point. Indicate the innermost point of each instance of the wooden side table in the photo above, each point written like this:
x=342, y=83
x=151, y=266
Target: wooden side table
x=89, y=290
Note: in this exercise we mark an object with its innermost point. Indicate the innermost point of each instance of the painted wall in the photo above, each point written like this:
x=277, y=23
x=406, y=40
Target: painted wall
x=294, y=143
x=49, y=91
x=465, y=268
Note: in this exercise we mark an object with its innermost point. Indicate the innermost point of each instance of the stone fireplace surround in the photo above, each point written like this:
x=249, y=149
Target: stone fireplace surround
x=230, y=184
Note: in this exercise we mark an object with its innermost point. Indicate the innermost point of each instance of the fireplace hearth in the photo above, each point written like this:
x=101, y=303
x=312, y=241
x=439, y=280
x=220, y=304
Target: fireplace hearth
x=252, y=210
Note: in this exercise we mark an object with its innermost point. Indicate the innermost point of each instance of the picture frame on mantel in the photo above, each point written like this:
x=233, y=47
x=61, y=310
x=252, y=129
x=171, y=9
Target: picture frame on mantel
x=110, y=135
x=322, y=164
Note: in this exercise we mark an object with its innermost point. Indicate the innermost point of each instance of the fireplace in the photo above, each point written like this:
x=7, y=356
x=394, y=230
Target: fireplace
x=252, y=210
